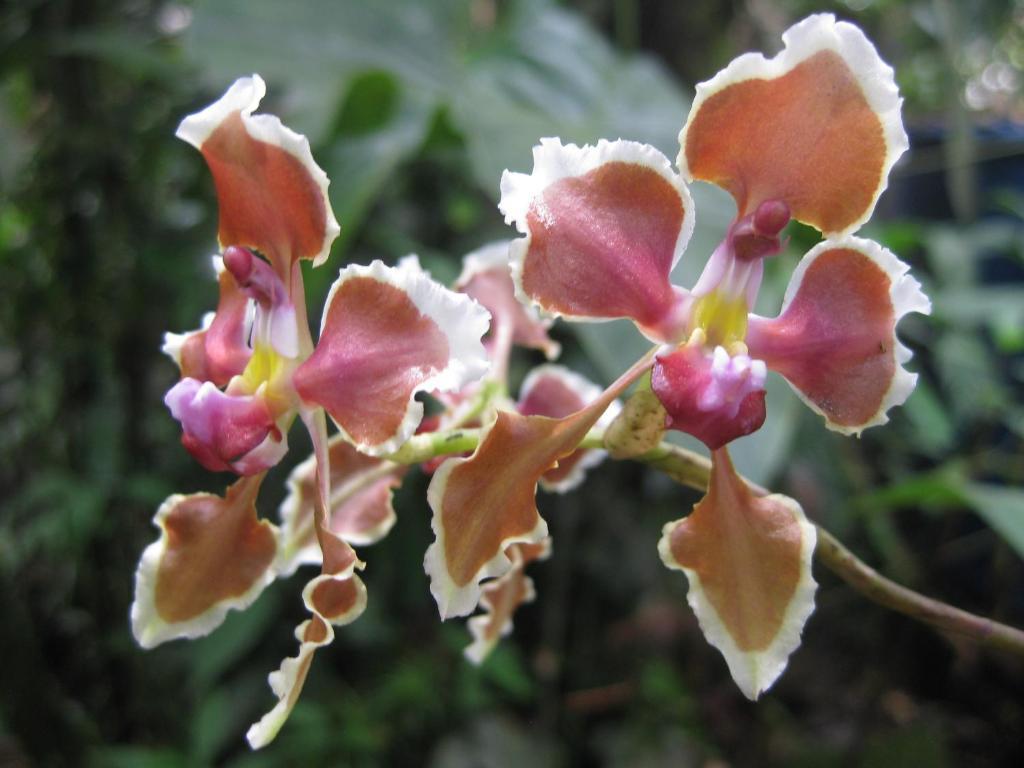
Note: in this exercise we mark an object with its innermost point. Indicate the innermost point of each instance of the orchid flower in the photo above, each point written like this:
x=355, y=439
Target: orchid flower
x=361, y=486
x=810, y=134
x=386, y=334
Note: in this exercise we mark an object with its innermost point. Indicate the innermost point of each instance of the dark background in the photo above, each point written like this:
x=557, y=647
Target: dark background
x=414, y=109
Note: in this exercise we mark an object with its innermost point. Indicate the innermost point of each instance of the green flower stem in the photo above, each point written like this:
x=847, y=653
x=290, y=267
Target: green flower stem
x=420, y=448
x=692, y=470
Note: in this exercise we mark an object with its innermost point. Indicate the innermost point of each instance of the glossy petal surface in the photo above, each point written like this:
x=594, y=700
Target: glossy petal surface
x=818, y=127
x=387, y=334
x=748, y=562
x=485, y=503
x=556, y=391
x=835, y=339
x=604, y=226
x=271, y=193
x=213, y=555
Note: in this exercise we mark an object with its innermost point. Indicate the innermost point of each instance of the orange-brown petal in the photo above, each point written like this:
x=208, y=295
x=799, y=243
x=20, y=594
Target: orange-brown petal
x=748, y=562
x=334, y=600
x=271, y=193
x=485, y=503
x=213, y=555
x=818, y=127
x=553, y=390
x=502, y=597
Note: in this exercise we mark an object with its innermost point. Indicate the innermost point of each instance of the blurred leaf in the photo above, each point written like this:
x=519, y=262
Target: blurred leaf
x=212, y=656
x=1002, y=508
x=137, y=757
x=1001, y=305
x=495, y=742
x=933, y=431
x=922, y=745
x=504, y=668
x=534, y=70
x=212, y=726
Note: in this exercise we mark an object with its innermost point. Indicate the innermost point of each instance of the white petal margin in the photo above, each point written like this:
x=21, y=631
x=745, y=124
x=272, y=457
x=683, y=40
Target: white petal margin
x=148, y=628
x=820, y=32
x=906, y=296
x=454, y=600
x=484, y=642
x=754, y=671
x=588, y=392
x=553, y=161
x=496, y=256
x=244, y=97
x=286, y=682
x=462, y=320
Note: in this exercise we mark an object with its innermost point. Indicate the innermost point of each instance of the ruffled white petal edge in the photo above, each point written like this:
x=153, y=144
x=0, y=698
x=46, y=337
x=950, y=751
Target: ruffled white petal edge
x=814, y=34
x=244, y=97
x=496, y=256
x=588, y=392
x=453, y=600
x=482, y=645
x=148, y=628
x=754, y=671
x=553, y=161
x=462, y=320
x=293, y=670
x=906, y=296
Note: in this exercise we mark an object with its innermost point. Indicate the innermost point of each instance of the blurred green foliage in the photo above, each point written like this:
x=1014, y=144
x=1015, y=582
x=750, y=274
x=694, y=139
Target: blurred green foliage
x=414, y=109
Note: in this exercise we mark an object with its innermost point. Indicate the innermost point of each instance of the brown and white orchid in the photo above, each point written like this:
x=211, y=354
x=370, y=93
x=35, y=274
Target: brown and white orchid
x=810, y=134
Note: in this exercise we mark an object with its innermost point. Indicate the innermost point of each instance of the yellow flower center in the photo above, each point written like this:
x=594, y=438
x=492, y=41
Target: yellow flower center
x=722, y=318
x=264, y=367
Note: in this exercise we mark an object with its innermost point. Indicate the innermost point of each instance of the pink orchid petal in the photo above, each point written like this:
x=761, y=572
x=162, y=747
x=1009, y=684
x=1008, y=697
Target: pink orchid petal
x=272, y=194
x=604, y=226
x=220, y=349
x=485, y=277
x=556, y=391
x=387, y=334
x=711, y=395
x=835, y=340
x=817, y=127
x=226, y=432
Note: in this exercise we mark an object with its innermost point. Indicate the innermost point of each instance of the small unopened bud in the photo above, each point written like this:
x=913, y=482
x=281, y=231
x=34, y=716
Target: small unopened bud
x=238, y=261
x=771, y=217
x=756, y=235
